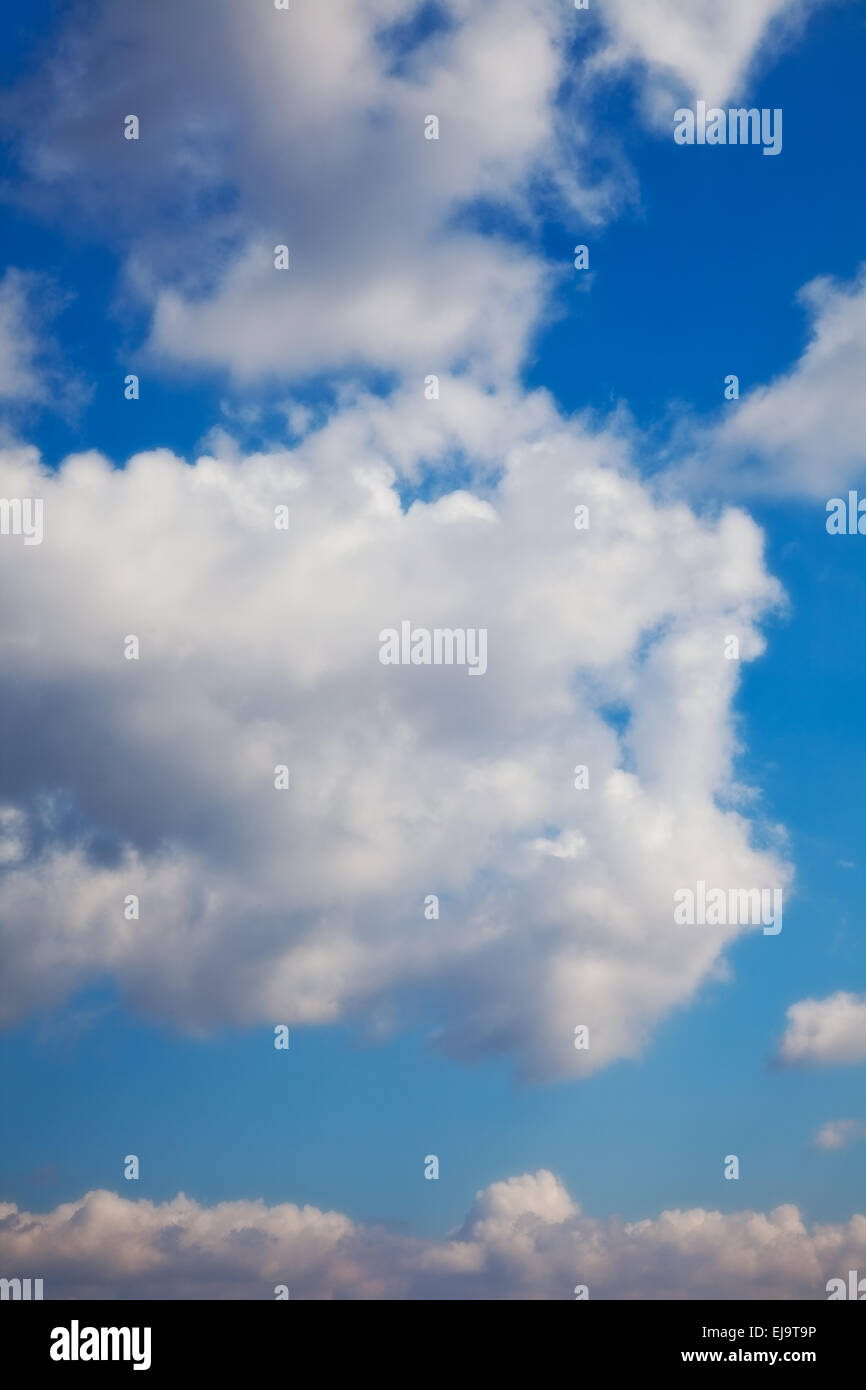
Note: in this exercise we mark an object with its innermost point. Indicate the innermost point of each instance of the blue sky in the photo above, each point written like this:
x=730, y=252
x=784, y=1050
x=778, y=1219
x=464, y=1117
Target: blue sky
x=697, y=261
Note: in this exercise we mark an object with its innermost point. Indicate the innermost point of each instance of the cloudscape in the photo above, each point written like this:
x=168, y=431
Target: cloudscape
x=431, y=457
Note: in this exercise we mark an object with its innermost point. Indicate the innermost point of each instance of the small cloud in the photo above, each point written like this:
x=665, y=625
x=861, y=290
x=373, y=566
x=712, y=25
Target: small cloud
x=825, y=1032
x=21, y=378
x=839, y=1134
x=30, y=370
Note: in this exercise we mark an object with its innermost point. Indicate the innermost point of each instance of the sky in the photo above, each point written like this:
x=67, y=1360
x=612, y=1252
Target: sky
x=308, y=388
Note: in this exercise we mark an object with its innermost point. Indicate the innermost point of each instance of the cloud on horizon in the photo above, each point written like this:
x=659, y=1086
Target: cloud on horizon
x=524, y=1238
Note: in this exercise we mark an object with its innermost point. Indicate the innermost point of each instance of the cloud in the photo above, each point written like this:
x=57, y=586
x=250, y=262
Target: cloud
x=803, y=433
x=260, y=647
x=799, y=435
x=23, y=373
x=838, y=1134
x=524, y=1238
x=307, y=129
x=825, y=1032
x=33, y=372
x=697, y=49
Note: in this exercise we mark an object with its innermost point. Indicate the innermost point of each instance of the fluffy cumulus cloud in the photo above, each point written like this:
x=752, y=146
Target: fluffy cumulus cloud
x=524, y=1238
x=696, y=48
x=306, y=128
x=825, y=1032
x=260, y=647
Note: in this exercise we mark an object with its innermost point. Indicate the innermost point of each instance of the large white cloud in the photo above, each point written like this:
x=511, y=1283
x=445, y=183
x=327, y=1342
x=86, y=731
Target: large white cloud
x=524, y=1238
x=260, y=647
x=826, y=1032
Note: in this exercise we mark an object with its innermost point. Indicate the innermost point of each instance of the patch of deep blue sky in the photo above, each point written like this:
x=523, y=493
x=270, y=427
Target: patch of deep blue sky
x=697, y=281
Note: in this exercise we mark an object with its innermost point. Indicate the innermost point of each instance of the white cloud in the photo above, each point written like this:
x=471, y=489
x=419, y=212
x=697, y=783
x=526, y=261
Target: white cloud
x=261, y=128
x=826, y=1032
x=306, y=128
x=697, y=48
x=524, y=1238
x=803, y=433
x=261, y=647
x=838, y=1134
